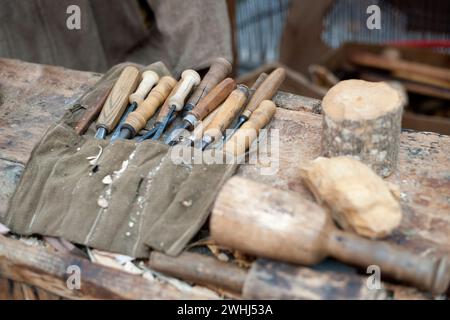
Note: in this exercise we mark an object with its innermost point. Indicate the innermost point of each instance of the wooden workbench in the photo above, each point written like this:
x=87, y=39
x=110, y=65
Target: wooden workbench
x=34, y=96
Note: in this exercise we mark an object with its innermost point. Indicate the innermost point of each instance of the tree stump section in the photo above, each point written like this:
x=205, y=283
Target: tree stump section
x=363, y=119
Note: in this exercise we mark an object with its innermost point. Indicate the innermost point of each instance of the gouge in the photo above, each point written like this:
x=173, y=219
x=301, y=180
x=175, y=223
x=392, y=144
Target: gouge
x=117, y=101
x=209, y=103
x=149, y=79
x=263, y=76
x=268, y=222
x=163, y=111
x=249, y=131
x=189, y=79
x=265, y=91
x=230, y=109
x=137, y=120
x=219, y=69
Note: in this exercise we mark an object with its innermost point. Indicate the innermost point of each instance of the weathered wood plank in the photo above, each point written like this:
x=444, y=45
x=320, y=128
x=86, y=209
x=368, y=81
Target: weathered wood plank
x=32, y=97
x=9, y=177
x=40, y=267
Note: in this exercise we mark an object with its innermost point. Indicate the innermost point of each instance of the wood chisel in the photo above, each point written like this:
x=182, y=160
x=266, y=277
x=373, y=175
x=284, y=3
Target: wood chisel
x=149, y=79
x=219, y=70
x=265, y=91
x=189, y=79
x=263, y=76
x=249, y=131
x=228, y=112
x=209, y=103
x=137, y=120
x=117, y=101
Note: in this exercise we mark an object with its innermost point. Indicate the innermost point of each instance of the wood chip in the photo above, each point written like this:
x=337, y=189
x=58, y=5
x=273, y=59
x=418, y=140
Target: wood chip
x=358, y=199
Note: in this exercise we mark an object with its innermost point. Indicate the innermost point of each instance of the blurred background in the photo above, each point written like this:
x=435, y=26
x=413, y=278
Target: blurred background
x=318, y=42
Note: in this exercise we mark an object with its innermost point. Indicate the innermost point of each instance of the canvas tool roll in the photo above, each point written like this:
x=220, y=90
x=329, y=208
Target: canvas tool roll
x=132, y=200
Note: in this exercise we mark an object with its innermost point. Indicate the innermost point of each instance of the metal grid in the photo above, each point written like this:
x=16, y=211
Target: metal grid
x=418, y=22
x=259, y=26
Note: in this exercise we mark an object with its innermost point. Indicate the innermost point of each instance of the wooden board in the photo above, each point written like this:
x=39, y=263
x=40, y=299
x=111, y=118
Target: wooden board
x=35, y=96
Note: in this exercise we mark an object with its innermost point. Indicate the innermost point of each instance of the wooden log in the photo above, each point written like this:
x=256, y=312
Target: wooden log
x=47, y=269
x=269, y=279
x=358, y=199
x=363, y=120
x=267, y=222
x=200, y=269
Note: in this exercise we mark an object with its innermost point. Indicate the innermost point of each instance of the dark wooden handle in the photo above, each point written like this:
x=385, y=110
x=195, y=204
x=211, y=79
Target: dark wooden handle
x=118, y=98
x=266, y=90
x=428, y=273
x=199, y=269
x=249, y=131
x=92, y=112
x=213, y=99
x=230, y=109
x=218, y=70
x=147, y=108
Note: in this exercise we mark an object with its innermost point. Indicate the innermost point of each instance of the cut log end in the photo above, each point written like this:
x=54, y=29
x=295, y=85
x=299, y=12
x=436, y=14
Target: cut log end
x=363, y=119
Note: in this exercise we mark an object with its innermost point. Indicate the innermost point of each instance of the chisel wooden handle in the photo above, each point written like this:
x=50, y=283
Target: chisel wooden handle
x=265, y=91
x=268, y=222
x=117, y=100
x=149, y=79
x=228, y=112
x=137, y=120
x=197, y=133
x=91, y=112
x=219, y=69
x=249, y=131
x=258, y=82
x=213, y=99
x=165, y=107
x=189, y=79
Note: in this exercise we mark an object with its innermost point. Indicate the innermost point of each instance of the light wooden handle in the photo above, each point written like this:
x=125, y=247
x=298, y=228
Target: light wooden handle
x=266, y=90
x=213, y=99
x=117, y=100
x=165, y=107
x=189, y=79
x=428, y=273
x=137, y=120
x=149, y=79
x=258, y=82
x=230, y=109
x=243, y=138
x=218, y=70
x=197, y=133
